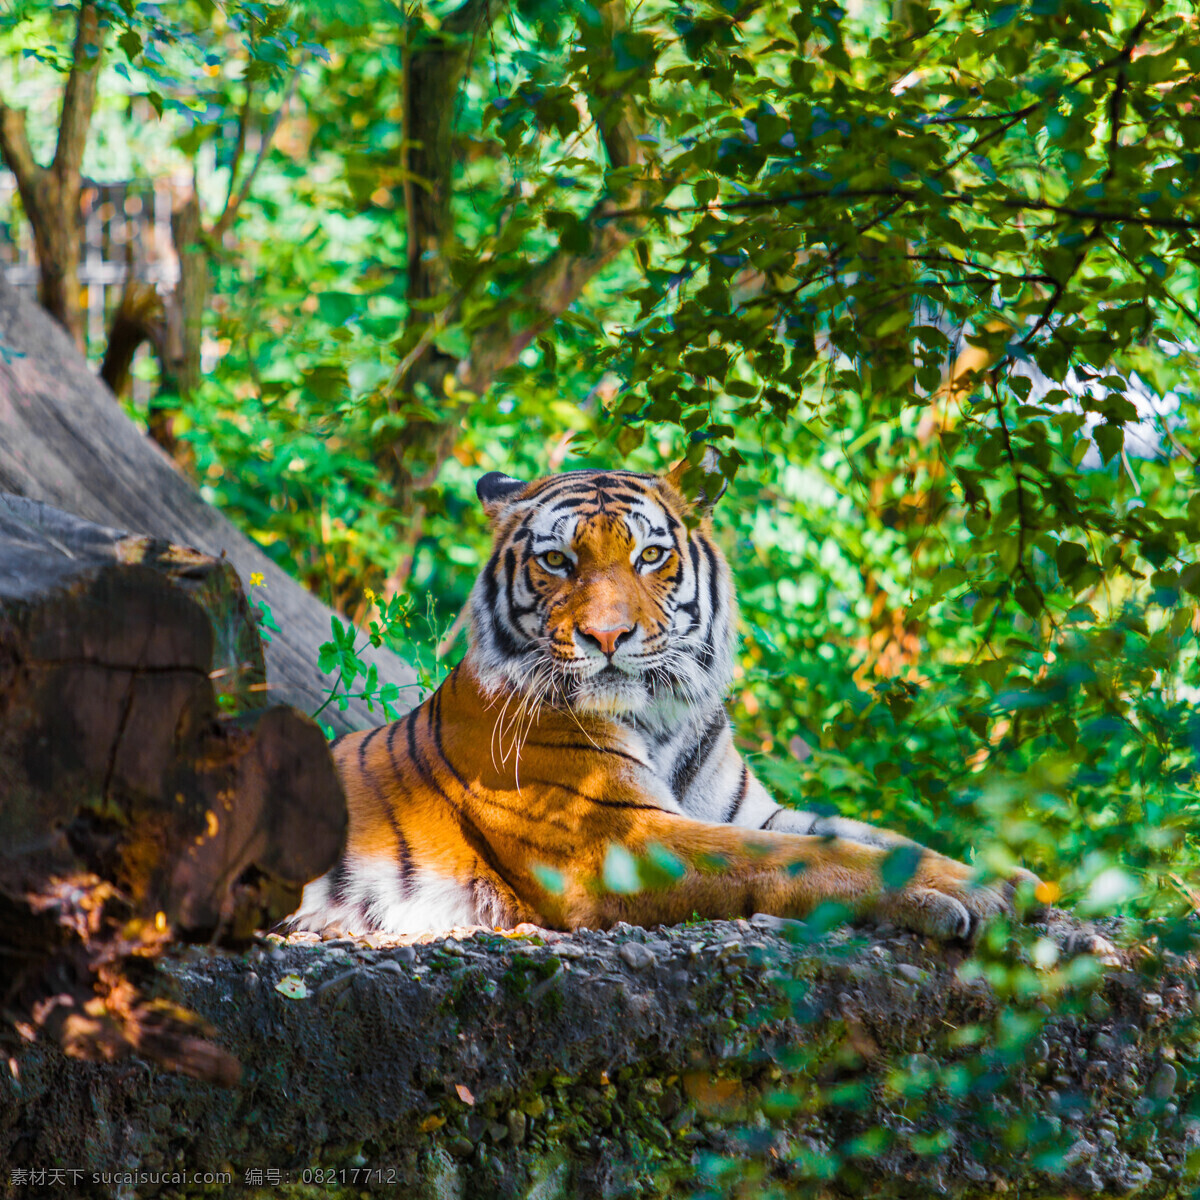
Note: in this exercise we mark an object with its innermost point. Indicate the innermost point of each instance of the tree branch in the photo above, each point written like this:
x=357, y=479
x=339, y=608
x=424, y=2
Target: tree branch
x=50, y=195
x=240, y=145
x=79, y=96
x=1116, y=104
x=433, y=72
x=234, y=202
x=1015, y=203
x=14, y=146
x=556, y=282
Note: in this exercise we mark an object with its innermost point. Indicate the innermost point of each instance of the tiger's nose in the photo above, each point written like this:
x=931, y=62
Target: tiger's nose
x=607, y=639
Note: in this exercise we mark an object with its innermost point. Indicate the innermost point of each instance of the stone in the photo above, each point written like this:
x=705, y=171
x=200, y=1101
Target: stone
x=1162, y=1083
x=516, y=1123
x=636, y=956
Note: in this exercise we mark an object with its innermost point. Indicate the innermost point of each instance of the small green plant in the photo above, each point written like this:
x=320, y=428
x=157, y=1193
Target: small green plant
x=418, y=640
x=266, y=619
x=341, y=657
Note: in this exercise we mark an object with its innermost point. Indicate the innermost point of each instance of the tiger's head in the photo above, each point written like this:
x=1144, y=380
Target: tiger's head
x=598, y=597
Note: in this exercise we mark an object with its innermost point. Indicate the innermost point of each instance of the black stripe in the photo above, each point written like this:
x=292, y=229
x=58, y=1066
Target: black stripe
x=769, y=823
x=574, y=501
x=586, y=747
x=423, y=768
x=468, y=827
x=628, y=496
x=510, y=573
x=435, y=724
x=685, y=770
x=402, y=847
x=364, y=744
x=491, y=589
x=475, y=839
x=707, y=655
x=528, y=574
x=404, y=862
x=566, y=787
x=739, y=799
x=714, y=580
x=588, y=474
x=339, y=877
x=393, y=729
x=692, y=606
x=505, y=642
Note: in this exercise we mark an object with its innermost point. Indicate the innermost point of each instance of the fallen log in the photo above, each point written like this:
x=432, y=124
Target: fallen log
x=65, y=441
x=718, y=1058
x=132, y=811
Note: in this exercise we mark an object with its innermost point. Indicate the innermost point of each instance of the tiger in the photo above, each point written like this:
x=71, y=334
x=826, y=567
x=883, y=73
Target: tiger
x=585, y=730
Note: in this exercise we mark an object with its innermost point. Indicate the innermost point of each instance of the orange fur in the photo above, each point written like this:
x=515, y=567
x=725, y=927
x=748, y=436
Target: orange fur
x=467, y=817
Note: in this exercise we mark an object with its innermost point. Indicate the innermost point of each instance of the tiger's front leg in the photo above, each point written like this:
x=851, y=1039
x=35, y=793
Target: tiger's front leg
x=954, y=879
x=728, y=872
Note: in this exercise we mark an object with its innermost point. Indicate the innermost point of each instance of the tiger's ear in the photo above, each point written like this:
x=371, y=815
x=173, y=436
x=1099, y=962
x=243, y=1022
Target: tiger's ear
x=699, y=476
x=495, y=491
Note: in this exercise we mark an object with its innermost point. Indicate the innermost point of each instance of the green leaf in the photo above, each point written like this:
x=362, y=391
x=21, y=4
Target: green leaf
x=620, y=873
x=899, y=866
x=131, y=43
x=1109, y=440
x=553, y=881
x=337, y=307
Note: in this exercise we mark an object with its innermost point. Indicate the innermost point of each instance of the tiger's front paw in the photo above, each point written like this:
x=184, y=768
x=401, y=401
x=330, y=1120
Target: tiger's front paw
x=942, y=900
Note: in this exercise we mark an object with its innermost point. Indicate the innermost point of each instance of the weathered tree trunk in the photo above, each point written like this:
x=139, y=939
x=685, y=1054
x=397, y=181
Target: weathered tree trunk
x=51, y=195
x=633, y=1063
x=131, y=812
x=64, y=441
x=185, y=310
x=179, y=334
x=137, y=319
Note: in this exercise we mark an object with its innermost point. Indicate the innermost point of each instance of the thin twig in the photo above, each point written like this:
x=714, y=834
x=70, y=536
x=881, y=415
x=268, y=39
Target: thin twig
x=240, y=147
x=225, y=220
x=903, y=196
x=451, y=635
x=1137, y=488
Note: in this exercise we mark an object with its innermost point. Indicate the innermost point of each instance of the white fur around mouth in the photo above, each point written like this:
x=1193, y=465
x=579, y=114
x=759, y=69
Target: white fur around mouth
x=610, y=691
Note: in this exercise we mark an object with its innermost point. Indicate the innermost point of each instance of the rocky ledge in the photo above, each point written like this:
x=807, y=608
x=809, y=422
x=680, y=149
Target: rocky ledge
x=635, y=1062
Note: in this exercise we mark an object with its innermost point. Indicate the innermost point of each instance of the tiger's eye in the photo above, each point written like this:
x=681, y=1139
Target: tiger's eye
x=652, y=554
x=554, y=558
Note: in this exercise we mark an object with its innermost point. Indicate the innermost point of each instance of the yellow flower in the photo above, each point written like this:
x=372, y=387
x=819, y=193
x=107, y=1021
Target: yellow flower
x=256, y=579
x=368, y=595
x=1047, y=893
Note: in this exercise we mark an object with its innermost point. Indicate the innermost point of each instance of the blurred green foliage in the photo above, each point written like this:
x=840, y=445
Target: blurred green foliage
x=968, y=595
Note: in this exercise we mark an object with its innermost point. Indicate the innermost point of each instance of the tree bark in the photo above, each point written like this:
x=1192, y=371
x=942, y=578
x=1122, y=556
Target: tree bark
x=133, y=812
x=138, y=319
x=634, y=1063
x=434, y=75
x=51, y=195
x=63, y=441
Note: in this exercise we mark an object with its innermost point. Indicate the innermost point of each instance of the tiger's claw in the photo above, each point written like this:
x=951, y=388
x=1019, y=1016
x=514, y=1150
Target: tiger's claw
x=944, y=901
